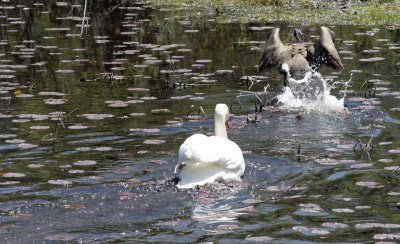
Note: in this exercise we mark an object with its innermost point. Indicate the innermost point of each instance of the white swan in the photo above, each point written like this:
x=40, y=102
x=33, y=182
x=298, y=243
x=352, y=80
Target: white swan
x=204, y=159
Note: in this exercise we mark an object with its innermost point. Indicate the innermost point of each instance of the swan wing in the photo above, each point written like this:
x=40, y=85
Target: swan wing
x=196, y=149
x=207, y=159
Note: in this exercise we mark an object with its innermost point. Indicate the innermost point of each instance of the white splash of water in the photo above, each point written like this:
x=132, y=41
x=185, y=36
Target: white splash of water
x=312, y=93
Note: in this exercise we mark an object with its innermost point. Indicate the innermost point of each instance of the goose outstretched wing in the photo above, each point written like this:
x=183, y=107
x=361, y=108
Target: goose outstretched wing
x=324, y=52
x=274, y=52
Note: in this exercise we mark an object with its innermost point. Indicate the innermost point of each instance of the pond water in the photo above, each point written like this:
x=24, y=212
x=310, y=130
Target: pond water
x=91, y=123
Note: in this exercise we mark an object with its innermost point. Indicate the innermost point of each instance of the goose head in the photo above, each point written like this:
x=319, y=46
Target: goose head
x=221, y=116
x=297, y=34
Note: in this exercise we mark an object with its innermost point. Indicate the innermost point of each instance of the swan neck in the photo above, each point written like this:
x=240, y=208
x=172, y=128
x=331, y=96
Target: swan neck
x=219, y=126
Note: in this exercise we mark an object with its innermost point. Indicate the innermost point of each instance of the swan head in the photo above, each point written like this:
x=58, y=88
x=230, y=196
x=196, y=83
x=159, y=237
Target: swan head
x=222, y=111
x=221, y=116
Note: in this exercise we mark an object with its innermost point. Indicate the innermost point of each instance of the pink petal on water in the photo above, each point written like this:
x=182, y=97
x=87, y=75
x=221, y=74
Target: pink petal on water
x=26, y=146
x=148, y=98
x=23, y=95
x=394, y=151
x=327, y=161
x=53, y=101
x=13, y=175
x=360, y=166
x=137, y=114
x=74, y=206
x=343, y=210
x=181, y=97
x=158, y=161
x=310, y=208
x=334, y=225
x=394, y=236
x=118, y=105
x=392, y=168
x=8, y=183
x=259, y=239
x=301, y=228
x=35, y=166
x=15, y=141
x=78, y=127
x=385, y=160
x=20, y=120
x=160, y=111
x=363, y=207
x=154, y=141
x=40, y=127
x=345, y=146
x=134, y=101
x=64, y=71
x=138, y=89
x=60, y=182
x=97, y=116
x=76, y=171
x=126, y=195
x=6, y=136
x=369, y=184
x=385, y=143
x=22, y=216
x=152, y=130
x=85, y=163
x=103, y=149
x=320, y=232
x=169, y=223
x=83, y=149
x=44, y=93
x=59, y=237
x=364, y=226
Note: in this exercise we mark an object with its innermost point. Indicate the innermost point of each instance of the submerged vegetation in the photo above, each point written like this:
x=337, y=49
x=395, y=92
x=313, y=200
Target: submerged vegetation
x=367, y=12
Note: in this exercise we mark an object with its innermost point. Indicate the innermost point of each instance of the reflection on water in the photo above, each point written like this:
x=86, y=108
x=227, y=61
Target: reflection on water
x=216, y=211
x=91, y=123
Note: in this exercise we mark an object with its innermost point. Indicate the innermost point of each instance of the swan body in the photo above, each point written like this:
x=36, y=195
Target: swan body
x=205, y=159
x=298, y=60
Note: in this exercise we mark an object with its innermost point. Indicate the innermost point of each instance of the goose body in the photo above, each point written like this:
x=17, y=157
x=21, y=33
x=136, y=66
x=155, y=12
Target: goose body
x=205, y=159
x=296, y=60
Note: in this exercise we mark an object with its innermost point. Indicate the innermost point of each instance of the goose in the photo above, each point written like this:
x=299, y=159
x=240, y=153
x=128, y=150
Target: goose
x=297, y=60
x=204, y=159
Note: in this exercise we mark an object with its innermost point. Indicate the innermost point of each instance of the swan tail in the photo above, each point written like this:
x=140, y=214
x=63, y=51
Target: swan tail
x=197, y=175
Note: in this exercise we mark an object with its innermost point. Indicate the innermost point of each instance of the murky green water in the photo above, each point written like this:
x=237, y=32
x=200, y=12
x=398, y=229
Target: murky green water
x=85, y=149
